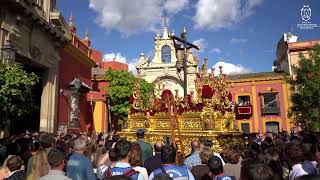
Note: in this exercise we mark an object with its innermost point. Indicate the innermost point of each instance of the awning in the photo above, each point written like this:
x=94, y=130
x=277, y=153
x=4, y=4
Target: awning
x=78, y=85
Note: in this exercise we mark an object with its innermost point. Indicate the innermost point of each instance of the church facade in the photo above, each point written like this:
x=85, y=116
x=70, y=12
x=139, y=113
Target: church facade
x=161, y=69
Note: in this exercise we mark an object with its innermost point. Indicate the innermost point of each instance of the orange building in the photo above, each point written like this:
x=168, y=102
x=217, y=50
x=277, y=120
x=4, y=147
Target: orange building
x=260, y=101
x=288, y=51
x=101, y=103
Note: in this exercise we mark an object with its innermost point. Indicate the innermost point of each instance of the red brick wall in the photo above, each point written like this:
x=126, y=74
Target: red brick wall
x=69, y=68
x=97, y=56
x=114, y=65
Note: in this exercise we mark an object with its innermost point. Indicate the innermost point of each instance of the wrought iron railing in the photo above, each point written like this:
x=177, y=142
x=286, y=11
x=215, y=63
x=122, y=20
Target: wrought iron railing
x=270, y=110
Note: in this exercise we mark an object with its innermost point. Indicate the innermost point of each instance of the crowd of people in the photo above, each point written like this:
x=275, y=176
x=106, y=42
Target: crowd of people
x=269, y=156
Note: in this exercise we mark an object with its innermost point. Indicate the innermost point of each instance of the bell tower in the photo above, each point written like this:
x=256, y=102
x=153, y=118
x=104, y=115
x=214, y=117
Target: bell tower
x=161, y=69
x=164, y=48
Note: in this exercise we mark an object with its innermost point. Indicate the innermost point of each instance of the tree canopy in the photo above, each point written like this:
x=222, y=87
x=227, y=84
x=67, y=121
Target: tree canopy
x=305, y=98
x=15, y=92
x=120, y=86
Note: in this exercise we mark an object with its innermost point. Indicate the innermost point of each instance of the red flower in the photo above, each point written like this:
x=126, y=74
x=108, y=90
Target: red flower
x=207, y=91
x=309, y=75
x=130, y=99
x=230, y=96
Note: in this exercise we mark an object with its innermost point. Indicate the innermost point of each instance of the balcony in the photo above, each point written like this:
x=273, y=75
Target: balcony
x=270, y=110
x=243, y=111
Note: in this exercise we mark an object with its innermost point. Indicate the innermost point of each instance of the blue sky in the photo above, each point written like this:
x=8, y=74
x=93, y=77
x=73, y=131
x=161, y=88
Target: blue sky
x=240, y=34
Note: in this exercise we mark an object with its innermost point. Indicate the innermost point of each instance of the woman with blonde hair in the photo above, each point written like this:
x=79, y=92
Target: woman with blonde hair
x=40, y=165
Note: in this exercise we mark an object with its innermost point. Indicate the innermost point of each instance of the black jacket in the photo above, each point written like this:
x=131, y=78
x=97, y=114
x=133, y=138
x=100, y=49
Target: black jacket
x=153, y=163
x=18, y=175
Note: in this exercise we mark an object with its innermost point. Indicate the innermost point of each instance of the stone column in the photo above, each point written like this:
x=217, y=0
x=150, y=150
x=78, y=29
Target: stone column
x=49, y=100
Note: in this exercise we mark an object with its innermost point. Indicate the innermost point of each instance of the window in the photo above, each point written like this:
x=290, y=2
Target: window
x=245, y=128
x=244, y=100
x=270, y=103
x=272, y=127
x=166, y=54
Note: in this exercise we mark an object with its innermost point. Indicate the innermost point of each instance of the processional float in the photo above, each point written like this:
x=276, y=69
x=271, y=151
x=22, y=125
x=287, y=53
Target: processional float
x=206, y=113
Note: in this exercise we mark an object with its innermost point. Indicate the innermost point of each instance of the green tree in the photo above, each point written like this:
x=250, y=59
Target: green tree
x=305, y=98
x=15, y=93
x=120, y=86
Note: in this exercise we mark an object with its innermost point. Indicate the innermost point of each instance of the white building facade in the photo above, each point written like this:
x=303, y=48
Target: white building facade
x=161, y=69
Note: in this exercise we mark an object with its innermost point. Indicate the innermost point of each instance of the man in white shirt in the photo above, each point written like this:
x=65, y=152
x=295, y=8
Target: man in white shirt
x=295, y=157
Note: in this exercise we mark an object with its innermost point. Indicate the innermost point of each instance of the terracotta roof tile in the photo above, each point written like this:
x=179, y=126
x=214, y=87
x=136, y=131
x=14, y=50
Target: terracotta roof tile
x=255, y=75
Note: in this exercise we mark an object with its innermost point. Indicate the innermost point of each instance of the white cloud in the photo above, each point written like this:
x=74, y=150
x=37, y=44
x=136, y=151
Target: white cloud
x=229, y=68
x=132, y=66
x=130, y=17
x=238, y=40
x=202, y=43
x=219, y=14
x=121, y=58
x=216, y=50
x=172, y=6
x=115, y=56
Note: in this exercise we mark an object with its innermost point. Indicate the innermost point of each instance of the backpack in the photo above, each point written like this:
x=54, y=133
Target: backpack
x=129, y=173
x=163, y=175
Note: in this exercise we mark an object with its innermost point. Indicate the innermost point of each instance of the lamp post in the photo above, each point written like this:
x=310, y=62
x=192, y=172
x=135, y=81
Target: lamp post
x=8, y=53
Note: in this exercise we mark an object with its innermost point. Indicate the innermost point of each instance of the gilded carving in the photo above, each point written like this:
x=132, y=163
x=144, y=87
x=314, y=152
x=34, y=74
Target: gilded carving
x=207, y=112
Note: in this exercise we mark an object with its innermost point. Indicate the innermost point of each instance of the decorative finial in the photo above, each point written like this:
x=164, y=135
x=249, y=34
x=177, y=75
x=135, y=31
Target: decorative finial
x=212, y=71
x=86, y=39
x=71, y=25
x=184, y=29
x=87, y=35
x=220, y=69
x=70, y=18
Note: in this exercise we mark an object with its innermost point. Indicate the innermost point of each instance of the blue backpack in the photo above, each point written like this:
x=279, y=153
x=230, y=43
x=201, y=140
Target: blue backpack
x=129, y=172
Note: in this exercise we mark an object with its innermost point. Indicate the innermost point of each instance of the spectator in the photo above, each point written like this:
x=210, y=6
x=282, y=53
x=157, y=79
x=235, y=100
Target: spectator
x=57, y=161
x=122, y=166
x=46, y=142
x=233, y=167
x=112, y=159
x=260, y=138
x=79, y=167
x=194, y=158
x=271, y=158
x=168, y=156
x=40, y=166
x=15, y=166
x=145, y=147
x=257, y=172
x=4, y=172
x=216, y=170
x=136, y=160
x=154, y=162
x=295, y=157
x=200, y=170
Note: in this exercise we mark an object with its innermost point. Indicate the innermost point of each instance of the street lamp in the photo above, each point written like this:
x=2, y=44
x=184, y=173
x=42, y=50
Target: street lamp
x=8, y=52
